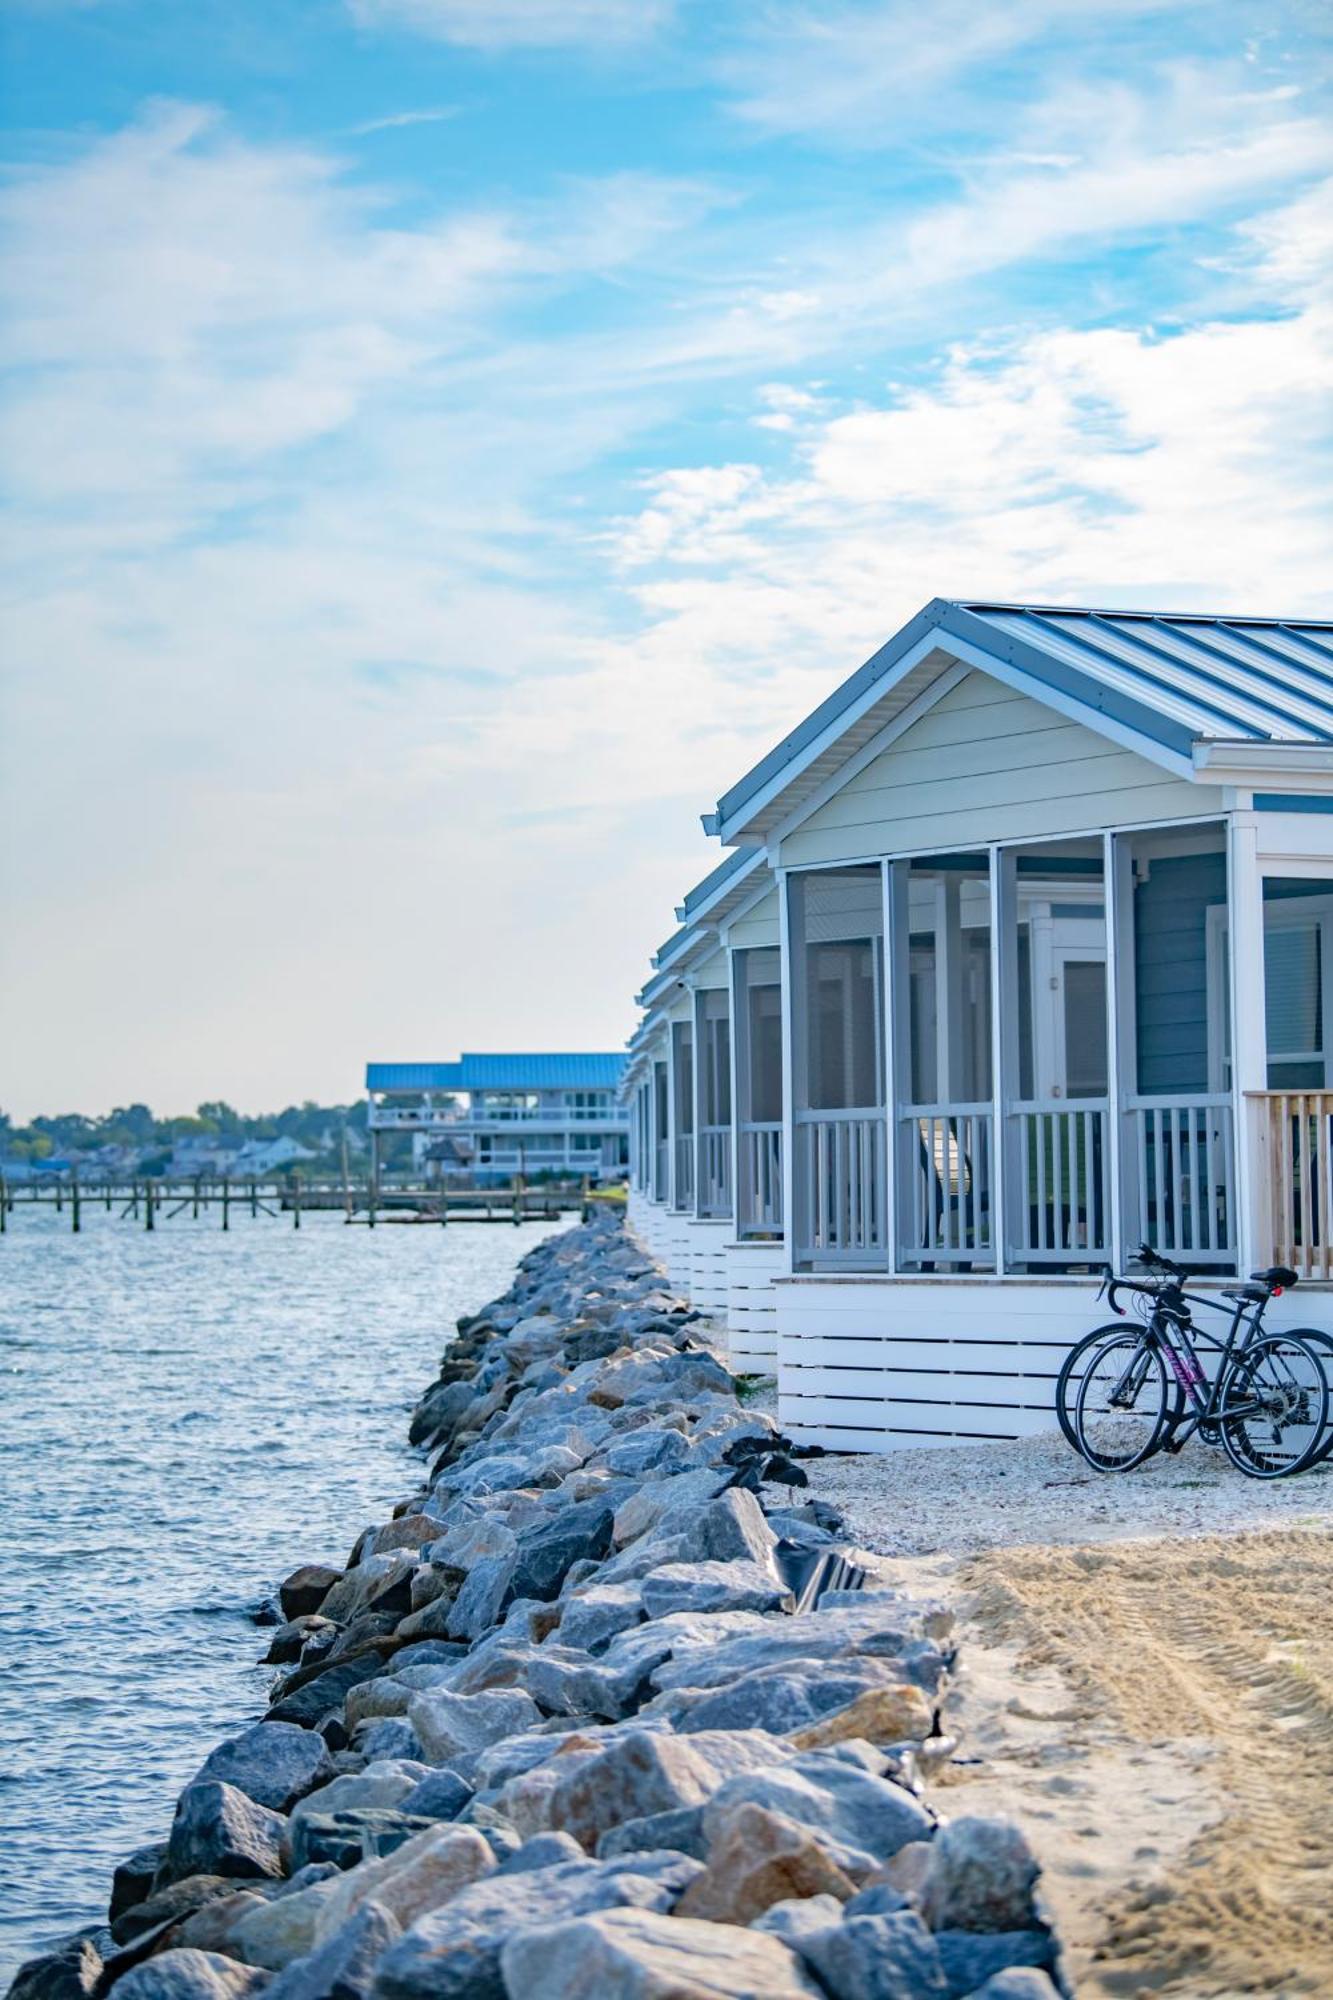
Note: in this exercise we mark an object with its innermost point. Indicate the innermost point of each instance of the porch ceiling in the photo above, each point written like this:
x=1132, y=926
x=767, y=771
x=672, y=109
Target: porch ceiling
x=1166, y=681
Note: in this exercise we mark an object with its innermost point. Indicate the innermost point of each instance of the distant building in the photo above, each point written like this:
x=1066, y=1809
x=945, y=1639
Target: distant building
x=505, y=1115
x=259, y=1157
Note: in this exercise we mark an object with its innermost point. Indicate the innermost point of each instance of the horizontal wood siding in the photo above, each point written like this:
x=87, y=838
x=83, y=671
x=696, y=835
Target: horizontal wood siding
x=752, y=1306
x=988, y=764
x=708, y=1267
x=758, y=929
x=1171, y=998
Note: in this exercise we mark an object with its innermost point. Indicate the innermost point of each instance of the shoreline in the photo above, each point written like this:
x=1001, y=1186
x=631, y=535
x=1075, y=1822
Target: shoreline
x=562, y=1712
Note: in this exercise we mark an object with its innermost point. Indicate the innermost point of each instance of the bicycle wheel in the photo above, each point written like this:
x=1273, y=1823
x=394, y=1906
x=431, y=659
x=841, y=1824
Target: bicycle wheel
x=1072, y=1369
x=1123, y=1403
x=1273, y=1406
x=1322, y=1343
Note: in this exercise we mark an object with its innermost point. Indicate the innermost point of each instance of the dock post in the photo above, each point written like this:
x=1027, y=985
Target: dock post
x=195, y=1210
x=226, y=1202
x=148, y=1205
x=254, y=1197
x=60, y=1195
x=296, y=1201
x=347, y=1181
x=4, y=1206
x=75, y=1221
x=518, y=1199
x=106, y=1190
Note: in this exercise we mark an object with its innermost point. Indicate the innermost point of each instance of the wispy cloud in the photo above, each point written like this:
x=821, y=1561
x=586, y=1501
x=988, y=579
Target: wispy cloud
x=496, y=25
x=395, y=120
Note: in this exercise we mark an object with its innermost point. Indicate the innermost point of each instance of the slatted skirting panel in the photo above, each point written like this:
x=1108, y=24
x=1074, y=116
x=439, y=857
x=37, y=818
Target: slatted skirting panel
x=1300, y=1159
x=708, y=1267
x=752, y=1305
x=840, y=1172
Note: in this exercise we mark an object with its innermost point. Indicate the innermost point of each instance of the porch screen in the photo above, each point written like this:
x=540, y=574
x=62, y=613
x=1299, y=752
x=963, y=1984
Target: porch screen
x=944, y=1123
x=1298, y=982
x=839, y=1169
x=757, y=996
x=682, y=1105
x=1055, y=1040
x=712, y=1029
x=661, y=1132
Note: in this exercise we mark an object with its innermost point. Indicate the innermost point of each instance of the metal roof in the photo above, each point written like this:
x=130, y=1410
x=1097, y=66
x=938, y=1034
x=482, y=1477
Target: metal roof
x=717, y=878
x=582, y=1071
x=1173, y=679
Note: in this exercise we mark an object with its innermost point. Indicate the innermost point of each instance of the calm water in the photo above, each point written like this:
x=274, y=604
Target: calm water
x=184, y=1417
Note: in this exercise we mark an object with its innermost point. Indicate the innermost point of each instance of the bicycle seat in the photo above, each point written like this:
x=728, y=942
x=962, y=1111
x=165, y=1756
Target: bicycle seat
x=1277, y=1278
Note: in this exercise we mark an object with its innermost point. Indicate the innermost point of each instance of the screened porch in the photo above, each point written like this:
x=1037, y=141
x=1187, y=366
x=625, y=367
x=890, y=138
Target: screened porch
x=1018, y=1060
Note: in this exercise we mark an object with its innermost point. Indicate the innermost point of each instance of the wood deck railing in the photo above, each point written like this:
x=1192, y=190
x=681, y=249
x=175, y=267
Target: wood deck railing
x=684, y=1189
x=945, y=1184
x=714, y=1170
x=1293, y=1134
x=1183, y=1167
x=840, y=1168
x=759, y=1166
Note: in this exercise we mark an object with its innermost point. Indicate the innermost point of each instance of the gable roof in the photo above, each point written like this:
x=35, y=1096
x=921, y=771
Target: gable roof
x=599, y=1071
x=1163, y=682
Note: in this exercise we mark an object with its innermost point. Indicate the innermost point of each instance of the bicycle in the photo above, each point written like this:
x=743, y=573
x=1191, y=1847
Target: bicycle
x=1144, y=1391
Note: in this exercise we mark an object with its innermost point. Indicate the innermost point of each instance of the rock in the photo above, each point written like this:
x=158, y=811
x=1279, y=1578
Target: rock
x=1020, y=1983
x=133, y=1880
x=315, y=1698
x=442, y=1795
x=283, y=1928
x=219, y=1831
x=305, y=1589
x=387, y=1694
x=345, y=1838
x=859, y=1819
x=648, y=1450
x=880, y=1715
x=379, y=1583
x=877, y=1958
x=70, y=1972
x=289, y=1641
x=593, y=1617
x=642, y=1955
x=732, y=1528
x=453, y=1726
x=544, y=1850
x=189, y=1975
x=783, y=1699
x=383, y=1783
x=212, y=1927
x=799, y=1918
x=972, y=1958
x=343, y=1967
x=408, y=1531
x=275, y=1764
x=644, y=1771
x=168, y=1904
x=981, y=1877
x=658, y=1502
x=420, y=1875
x=573, y=1534
x=454, y=1953
x=481, y=1599
x=681, y=1831
x=714, y=1586
x=757, y=1858
x=388, y=1738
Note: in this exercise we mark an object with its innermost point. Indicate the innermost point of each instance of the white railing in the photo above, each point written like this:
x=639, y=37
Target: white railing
x=841, y=1174
x=759, y=1169
x=1057, y=1182
x=945, y=1184
x=421, y=1117
x=415, y=1117
x=1182, y=1158
x=684, y=1193
x=1294, y=1142
x=714, y=1170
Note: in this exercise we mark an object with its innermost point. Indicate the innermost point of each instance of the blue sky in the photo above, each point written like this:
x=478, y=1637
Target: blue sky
x=447, y=441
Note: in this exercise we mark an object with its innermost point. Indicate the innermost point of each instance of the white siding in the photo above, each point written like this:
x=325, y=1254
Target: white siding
x=758, y=928
x=708, y=1266
x=989, y=764
x=714, y=973
x=752, y=1305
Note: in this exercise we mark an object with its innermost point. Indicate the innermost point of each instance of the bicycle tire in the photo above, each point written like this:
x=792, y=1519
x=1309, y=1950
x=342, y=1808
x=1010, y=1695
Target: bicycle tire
x=1068, y=1380
x=1277, y=1441
x=1315, y=1336
x=1140, y=1424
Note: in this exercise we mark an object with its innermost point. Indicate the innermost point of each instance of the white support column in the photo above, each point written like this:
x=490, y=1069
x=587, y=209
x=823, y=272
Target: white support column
x=697, y=1074
x=733, y=1041
x=1003, y=996
x=671, y=1115
x=1249, y=1039
x=1119, y=926
x=893, y=987
x=789, y=1072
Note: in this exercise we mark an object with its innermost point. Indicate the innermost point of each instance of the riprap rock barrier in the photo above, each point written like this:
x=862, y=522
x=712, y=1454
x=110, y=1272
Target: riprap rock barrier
x=608, y=1708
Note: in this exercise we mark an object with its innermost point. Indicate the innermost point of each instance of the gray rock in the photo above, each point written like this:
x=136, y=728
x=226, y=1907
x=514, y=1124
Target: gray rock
x=780, y=1700
x=343, y=1967
x=302, y=1593
x=219, y=1831
x=544, y=1850
x=799, y=1917
x=646, y=1771
x=315, y=1698
x=881, y=1899
x=171, y=1902
x=642, y=1955
x=732, y=1528
x=389, y=1737
x=877, y=1958
x=344, y=1838
x=383, y=1783
x=442, y=1795
x=275, y=1764
x=133, y=1880
x=454, y=1726
x=573, y=1534
x=190, y=1975
x=648, y=1450
x=858, y=1818
x=592, y=1618
x=454, y=1953
x=681, y=1832
x=1020, y=1983
x=981, y=1877
x=714, y=1586
x=482, y=1596
x=70, y=1972
x=970, y=1958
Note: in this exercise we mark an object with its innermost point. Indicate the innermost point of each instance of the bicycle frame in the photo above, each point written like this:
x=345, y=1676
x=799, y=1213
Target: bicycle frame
x=1170, y=1318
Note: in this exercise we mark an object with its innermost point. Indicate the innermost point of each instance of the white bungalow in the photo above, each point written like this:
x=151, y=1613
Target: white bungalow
x=507, y=1116
x=1028, y=944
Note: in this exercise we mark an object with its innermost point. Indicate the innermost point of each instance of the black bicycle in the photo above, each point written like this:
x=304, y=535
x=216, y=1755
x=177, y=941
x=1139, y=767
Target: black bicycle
x=1124, y=1393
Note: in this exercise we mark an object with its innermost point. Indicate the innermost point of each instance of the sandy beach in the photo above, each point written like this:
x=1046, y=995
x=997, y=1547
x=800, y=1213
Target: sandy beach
x=1147, y=1687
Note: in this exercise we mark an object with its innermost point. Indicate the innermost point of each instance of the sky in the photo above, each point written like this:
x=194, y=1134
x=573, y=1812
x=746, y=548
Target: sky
x=447, y=442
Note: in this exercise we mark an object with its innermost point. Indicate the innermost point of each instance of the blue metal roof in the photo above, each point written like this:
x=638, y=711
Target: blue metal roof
x=1176, y=678
x=714, y=880
x=580, y=1071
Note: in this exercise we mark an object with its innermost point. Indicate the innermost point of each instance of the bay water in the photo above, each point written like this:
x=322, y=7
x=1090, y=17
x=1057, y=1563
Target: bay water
x=185, y=1416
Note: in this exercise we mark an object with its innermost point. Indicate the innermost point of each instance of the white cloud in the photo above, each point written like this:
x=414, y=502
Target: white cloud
x=495, y=25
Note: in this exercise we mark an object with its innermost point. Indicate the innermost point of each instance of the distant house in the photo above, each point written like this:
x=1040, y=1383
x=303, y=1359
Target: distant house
x=260, y=1157
x=1024, y=955
x=204, y=1153
x=524, y=1114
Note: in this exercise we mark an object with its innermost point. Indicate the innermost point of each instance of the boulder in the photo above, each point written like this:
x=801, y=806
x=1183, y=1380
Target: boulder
x=388, y=1737
x=877, y=1958
x=973, y=1958
x=275, y=1764
x=732, y=1528
x=1020, y=1983
x=442, y=1795
x=593, y=1617
x=168, y=1904
x=783, y=1699
x=345, y=1838
x=646, y=1771
x=407, y=1531
x=380, y=1582
x=545, y=1552
x=70, y=1972
x=420, y=1875
x=714, y=1586
x=344, y=1966
x=858, y=1818
x=303, y=1592
x=660, y=1501
x=482, y=1597
x=282, y=1928
x=757, y=1858
x=189, y=1975
x=681, y=1831
x=212, y=1926
x=289, y=1641
x=791, y=1921
x=640, y=1954
x=219, y=1831
x=385, y=1782
x=981, y=1877
x=454, y=1726
x=880, y=1715
x=324, y=1692
x=133, y=1880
